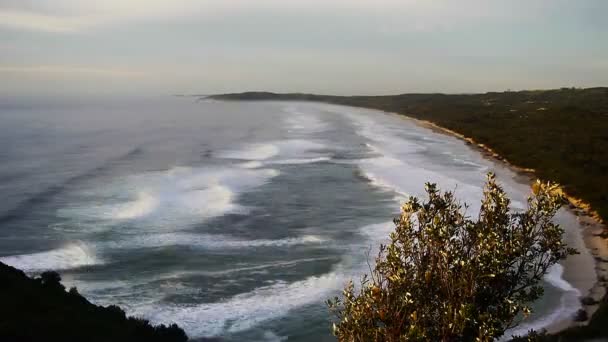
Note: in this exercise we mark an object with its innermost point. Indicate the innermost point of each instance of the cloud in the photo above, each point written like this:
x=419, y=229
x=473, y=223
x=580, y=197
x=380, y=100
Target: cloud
x=65, y=16
x=69, y=16
x=29, y=20
x=67, y=71
x=332, y=46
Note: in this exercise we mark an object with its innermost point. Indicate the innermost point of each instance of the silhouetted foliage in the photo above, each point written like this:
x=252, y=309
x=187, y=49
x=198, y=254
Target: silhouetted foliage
x=51, y=279
x=41, y=310
x=446, y=277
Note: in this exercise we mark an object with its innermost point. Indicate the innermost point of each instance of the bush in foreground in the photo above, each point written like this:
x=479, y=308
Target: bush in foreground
x=40, y=309
x=446, y=277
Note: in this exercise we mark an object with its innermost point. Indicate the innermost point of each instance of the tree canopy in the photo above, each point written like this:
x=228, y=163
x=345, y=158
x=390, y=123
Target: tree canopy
x=446, y=277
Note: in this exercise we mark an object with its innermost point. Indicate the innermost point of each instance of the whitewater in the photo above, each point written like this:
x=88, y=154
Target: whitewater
x=234, y=220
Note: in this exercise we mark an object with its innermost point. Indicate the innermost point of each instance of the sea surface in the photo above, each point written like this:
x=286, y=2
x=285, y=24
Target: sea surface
x=234, y=220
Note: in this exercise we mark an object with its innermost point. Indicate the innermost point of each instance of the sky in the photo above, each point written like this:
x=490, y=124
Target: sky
x=85, y=47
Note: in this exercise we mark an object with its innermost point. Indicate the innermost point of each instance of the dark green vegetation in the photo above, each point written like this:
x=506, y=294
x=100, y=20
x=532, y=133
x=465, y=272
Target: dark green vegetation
x=562, y=134
x=41, y=310
x=446, y=277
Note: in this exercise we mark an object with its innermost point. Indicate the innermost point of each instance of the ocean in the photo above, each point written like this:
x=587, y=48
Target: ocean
x=235, y=220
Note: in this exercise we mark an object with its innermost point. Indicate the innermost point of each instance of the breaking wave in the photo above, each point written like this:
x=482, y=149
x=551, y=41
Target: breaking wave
x=174, y=197
x=245, y=310
x=303, y=123
x=569, y=304
x=70, y=256
x=212, y=241
x=284, y=152
x=252, y=152
x=144, y=204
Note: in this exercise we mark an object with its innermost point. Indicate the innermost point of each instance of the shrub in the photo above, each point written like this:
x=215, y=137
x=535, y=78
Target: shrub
x=447, y=277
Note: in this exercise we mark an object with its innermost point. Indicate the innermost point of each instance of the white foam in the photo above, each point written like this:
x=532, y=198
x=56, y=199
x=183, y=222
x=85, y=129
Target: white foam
x=385, y=135
x=395, y=165
x=398, y=165
x=378, y=232
x=211, y=241
x=89, y=287
x=289, y=151
x=144, y=204
x=263, y=267
x=210, y=202
x=270, y=336
x=232, y=178
x=173, y=198
x=569, y=304
x=246, y=310
x=301, y=161
x=303, y=122
x=406, y=179
x=103, y=290
x=467, y=162
x=252, y=152
x=375, y=235
x=252, y=164
x=298, y=147
x=554, y=277
x=72, y=255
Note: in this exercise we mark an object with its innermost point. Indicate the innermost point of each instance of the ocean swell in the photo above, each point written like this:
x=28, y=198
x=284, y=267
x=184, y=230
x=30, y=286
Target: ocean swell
x=72, y=255
x=245, y=310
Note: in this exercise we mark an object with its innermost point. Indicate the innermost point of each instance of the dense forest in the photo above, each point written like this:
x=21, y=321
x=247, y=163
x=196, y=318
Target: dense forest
x=40, y=309
x=561, y=133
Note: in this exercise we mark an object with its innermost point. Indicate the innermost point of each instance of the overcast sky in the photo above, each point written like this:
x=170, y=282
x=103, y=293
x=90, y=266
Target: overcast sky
x=75, y=47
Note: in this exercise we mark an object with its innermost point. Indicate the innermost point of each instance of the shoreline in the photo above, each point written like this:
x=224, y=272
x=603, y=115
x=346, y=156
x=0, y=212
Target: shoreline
x=592, y=232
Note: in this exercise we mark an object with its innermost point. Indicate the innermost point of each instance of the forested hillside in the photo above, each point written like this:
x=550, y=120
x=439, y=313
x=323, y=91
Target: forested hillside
x=562, y=133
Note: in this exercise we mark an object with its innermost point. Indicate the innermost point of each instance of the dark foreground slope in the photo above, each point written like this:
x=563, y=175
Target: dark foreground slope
x=562, y=133
x=41, y=310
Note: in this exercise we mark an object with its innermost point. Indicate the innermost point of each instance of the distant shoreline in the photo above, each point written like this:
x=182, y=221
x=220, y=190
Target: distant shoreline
x=589, y=219
x=577, y=202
